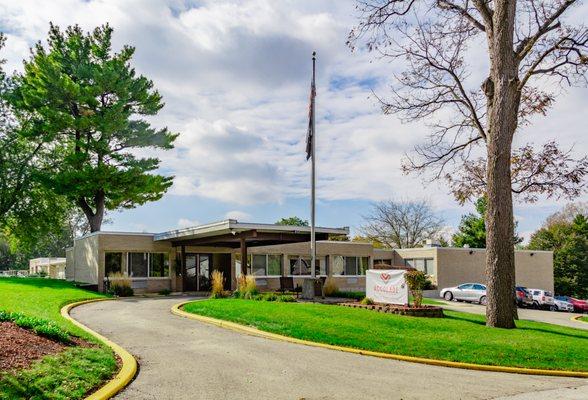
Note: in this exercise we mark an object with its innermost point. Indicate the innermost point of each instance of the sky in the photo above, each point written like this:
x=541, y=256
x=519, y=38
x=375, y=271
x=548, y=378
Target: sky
x=235, y=78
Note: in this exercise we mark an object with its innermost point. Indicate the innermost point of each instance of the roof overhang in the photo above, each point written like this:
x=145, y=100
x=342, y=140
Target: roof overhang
x=231, y=233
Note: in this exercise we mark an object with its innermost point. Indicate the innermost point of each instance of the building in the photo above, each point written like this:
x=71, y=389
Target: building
x=182, y=260
x=52, y=267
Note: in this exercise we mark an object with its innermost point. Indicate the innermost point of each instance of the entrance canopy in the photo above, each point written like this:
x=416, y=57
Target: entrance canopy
x=233, y=234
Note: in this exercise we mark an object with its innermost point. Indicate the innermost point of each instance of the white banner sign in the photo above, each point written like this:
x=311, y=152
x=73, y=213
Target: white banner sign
x=386, y=286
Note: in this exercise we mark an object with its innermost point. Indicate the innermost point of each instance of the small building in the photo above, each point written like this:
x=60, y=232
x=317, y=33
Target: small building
x=52, y=267
x=183, y=259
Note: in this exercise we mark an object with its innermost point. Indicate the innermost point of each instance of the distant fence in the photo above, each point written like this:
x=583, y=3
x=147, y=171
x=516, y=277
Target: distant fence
x=15, y=272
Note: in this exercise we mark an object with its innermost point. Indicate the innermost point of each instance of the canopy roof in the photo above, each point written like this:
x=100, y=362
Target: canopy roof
x=231, y=233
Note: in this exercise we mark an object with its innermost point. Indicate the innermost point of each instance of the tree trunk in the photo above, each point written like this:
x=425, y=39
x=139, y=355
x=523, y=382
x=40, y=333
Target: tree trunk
x=503, y=100
x=94, y=217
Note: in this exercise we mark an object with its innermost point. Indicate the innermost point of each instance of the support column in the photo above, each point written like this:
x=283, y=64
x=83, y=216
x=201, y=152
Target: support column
x=243, y=256
x=183, y=265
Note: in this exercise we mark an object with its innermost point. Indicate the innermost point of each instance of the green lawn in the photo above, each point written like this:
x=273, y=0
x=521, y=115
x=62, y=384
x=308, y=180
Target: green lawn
x=585, y=319
x=458, y=337
x=68, y=375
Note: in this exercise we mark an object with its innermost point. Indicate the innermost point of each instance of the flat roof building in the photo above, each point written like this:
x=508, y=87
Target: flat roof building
x=183, y=259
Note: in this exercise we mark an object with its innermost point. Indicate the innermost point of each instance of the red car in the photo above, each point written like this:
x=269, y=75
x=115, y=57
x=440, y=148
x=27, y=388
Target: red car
x=580, y=306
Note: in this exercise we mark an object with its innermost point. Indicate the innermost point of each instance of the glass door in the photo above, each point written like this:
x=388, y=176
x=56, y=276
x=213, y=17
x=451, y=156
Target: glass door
x=204, y=261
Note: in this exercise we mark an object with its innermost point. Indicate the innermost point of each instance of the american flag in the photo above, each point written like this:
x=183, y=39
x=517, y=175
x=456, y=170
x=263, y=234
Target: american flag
x=310, y=133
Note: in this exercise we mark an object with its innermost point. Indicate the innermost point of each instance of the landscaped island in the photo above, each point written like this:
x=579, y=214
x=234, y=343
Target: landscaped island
x=72, y=367
x=457, y=337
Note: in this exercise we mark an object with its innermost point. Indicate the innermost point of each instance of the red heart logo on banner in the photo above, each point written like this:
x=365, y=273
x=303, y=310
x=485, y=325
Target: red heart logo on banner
x=385, y=277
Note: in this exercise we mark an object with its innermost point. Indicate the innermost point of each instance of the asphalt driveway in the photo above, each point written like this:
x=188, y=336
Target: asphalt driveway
x=185, y=359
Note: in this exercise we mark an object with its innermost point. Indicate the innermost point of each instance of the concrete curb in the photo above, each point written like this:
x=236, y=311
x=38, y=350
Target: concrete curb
x=176, y=309
x=129, y=364
x=577, y=319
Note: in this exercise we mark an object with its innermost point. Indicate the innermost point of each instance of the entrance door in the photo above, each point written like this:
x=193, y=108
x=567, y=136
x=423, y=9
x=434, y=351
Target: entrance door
x=190, y=277
x=197, y=277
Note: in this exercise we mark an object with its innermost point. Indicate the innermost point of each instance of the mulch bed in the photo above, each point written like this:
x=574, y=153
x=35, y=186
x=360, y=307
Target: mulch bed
x=423, y=311
x=19, y=348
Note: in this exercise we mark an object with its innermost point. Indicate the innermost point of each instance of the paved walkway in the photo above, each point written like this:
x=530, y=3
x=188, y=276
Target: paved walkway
x=185, y=359
x=550, y=317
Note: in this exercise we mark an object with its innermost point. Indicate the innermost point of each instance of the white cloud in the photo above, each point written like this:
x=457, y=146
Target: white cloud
x=238, y=215
x=187, y=223
x=235, y=79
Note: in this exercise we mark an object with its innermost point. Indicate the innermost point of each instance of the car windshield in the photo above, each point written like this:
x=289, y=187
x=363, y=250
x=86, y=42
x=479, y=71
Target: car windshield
x=562, y=298
x=548, y=294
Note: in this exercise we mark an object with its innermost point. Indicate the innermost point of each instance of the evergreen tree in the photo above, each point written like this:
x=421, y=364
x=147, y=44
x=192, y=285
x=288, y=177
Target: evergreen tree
x=569, y=243
x=472, y=228
x=88, y=102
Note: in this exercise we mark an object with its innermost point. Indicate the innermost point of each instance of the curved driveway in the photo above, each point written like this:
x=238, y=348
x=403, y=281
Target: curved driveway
x=185, y=359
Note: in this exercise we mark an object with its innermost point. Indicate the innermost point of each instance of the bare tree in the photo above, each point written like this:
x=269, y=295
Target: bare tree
x=401, y=224
x=529, y=50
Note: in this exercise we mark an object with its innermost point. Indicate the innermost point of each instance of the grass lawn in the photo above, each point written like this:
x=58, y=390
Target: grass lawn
x=585, y=319
x=458, y=337
x=68, y=375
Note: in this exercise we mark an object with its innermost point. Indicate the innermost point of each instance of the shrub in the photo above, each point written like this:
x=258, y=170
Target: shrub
x=41, y=327
x=217, y=290
x=350, y=295
x=330, y=287
x=270, y=297
x=416, y=281
x=367, y=301
x=164, y=292
x=285, y=298
x=429, y=285
x=120, y=285
x=246, y=287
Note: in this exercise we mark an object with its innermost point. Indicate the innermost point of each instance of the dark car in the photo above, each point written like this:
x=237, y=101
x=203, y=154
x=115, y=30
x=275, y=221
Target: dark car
x=523, y=297
x=580, y=306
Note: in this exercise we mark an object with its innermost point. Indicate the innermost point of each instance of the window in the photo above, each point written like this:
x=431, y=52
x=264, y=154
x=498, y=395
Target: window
x=259, y=265
x=274, y=265
x=338, y=265
x=383, y=262
x=422, y=264
x=350, y=266
x=299, y=266
x=138, y=264
x=479, y=287
x=112, y=263
x=465, y=286
x=158, y=265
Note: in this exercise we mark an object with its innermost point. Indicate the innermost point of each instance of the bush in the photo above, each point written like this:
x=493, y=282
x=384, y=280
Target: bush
x=429, y=285
x=367, y=301
x=330, y=287
x=41, y=327
x=270, y=297
x=350, y=295
x=217, y=290
x=286, y=299
x=416, y=281
x=120, y=285
x=164, y=292
x=246, y=287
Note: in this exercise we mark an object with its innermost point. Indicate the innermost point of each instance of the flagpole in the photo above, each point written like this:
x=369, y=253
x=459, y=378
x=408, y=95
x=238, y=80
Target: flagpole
x=313, y=177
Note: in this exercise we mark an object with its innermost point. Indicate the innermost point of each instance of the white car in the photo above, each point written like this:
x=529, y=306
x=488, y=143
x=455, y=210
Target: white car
x=473, y=292
x=542, y=299
x=562, y=305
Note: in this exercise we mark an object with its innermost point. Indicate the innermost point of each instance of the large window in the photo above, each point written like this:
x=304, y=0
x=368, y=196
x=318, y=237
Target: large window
x=422, y=264
x=142, y=265
x=350, y=266
x=158, y=265
x=138, y=265
x=300, y=266
x=266, y=265
x=112, y=263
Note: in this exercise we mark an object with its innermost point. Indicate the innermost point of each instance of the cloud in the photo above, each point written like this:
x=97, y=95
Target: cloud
x=187, y=223
x=238, y=215
x=235, y=78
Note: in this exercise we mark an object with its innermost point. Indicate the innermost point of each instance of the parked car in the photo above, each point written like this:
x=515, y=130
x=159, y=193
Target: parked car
x=580, y=306
x=523, y=297
x=542, y=299
x=472, y=292
x=561, y=304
